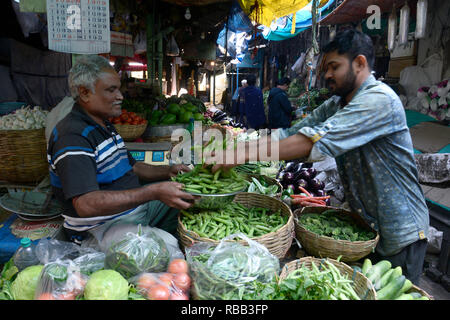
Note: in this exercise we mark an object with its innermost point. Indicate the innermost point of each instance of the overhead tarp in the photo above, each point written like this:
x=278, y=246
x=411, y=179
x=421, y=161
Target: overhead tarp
x=281, y=28
x=248, y=62
x=265, y=11
x=233, y=38
x=356, y=10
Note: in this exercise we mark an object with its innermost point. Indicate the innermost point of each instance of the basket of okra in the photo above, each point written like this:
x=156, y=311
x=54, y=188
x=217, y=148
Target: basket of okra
x=262, y=218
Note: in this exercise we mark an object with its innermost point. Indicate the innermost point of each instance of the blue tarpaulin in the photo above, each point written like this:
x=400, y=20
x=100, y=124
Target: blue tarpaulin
x=281, y=28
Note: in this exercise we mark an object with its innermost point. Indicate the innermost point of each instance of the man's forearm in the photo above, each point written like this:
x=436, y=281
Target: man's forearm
x=105, y=203
x=148, y=172
x=293, y=147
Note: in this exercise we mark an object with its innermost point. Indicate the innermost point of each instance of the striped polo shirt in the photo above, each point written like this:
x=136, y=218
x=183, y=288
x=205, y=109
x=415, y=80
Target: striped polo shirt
x=84, y=157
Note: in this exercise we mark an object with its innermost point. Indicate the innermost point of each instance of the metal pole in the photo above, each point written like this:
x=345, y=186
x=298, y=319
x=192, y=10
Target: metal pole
x=214, y=85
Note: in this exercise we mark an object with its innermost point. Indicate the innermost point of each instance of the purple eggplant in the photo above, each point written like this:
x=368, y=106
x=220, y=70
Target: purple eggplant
x=288, y=178
x=302, y=183
x=307, y=165
x=314, y=184
x=304, y=174
x=291, y=167
x=328, y=202
x=312, y=172
x=320, y=193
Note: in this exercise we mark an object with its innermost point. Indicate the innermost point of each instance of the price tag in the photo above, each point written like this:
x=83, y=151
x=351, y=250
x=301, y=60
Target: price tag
x=78, y=26
x=138, y=155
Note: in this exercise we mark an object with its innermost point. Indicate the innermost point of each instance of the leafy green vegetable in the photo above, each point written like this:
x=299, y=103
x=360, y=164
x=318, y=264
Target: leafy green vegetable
x=24, y=286
x=331, y=224
x=106, y=285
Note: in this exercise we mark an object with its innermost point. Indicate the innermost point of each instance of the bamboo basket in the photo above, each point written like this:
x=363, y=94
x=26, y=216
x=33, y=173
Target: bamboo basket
x=418, y=290
x=278, y=242
x=327, y=247
x=23, y=155
x=362, y=286
x=130, y=132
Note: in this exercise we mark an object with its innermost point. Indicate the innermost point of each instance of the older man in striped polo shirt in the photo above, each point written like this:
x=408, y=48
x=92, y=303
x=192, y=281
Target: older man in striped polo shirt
x=94, y=174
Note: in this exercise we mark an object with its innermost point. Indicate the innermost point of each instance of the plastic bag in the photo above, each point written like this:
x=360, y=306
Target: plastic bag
x=162, y=285
x=228, y=270
x=60, y=280
x=50, y=250
x=139, y=252
x=90, y=260
x=434, y=240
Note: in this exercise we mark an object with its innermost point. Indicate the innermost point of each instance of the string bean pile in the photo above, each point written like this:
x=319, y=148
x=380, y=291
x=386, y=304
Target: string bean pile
x=329, y=224
x=233, y=218
x=201, y=180
x=324, y=283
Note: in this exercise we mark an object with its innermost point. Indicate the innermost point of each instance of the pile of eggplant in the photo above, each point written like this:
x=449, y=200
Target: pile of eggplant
x=296, y=174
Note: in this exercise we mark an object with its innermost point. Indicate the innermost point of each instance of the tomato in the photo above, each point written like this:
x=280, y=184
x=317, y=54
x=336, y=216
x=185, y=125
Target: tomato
x=131, y=114
x=166, y=278
x=176, y=295
x=46, y=296
x=116, y=121
x=124, y=111
x=135, y=122
x=182, y=281
x=178, y=266
x=158, y=292
x=124, y=117
x=67, y=296
x=146, y=280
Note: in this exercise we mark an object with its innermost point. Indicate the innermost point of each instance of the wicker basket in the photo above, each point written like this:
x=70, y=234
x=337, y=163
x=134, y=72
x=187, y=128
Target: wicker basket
x=23, y=155
x=362, y=286
x=422, y=292
x=130, y=132
x=327, y=247
x=278, y=242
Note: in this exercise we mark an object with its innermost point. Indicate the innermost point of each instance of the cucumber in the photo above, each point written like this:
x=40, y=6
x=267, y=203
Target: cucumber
x=391, y=289
x=397, y=272
x=405, y=296
x=366, y=266
x=378, y=270
x=384, y=280
x=406, y=286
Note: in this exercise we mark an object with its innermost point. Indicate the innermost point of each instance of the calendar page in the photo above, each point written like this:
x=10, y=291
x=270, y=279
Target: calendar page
x=78, y=26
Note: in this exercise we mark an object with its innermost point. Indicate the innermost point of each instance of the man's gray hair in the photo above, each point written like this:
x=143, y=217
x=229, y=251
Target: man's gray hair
x=86, y=71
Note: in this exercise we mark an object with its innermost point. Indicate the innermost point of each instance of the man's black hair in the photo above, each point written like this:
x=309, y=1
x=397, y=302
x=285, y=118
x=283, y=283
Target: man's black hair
x=352, y=43
x=283, y=81
x=251, y=79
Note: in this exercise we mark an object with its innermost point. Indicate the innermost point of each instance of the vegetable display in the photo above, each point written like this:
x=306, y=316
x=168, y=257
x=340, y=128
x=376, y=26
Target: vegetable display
x=130, y=118
x=331, y=224
x=201, y=181
x=227, y=271
x=25, y=118
x=313, y=98
x=324, y=283
x=390, y=283
x=265, y=168
x=233, y=218
x=301, y=187
x=137, y=253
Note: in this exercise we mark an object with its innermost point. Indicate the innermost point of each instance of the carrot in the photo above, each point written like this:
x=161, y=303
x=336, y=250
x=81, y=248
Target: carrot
x=299, y=196
x=315, y=201
x=310, y=204
x=304, y=191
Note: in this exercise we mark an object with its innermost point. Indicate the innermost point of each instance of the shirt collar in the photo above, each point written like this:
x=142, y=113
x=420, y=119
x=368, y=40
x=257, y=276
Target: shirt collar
x=369, y=81
x=80, y=112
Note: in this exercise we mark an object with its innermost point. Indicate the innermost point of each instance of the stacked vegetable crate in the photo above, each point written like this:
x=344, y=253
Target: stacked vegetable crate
x=277, y=242
x=324, y=246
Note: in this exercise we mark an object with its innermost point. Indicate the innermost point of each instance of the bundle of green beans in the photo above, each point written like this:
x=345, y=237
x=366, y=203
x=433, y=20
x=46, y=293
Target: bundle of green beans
x=201, y=180
x=233, y=218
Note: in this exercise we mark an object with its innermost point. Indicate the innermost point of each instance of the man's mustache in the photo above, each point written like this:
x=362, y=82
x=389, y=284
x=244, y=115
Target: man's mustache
x=329, y=81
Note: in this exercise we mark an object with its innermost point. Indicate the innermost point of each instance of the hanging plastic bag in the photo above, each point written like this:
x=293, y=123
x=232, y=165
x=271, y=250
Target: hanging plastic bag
x=228, y=270
x=404, y=25
x=421, y=19
x=172, y=47
x=139, y=252
x=392, y=29
x=60, y=280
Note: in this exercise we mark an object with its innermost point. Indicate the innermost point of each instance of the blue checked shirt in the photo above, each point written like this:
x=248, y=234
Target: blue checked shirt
x=372, y=146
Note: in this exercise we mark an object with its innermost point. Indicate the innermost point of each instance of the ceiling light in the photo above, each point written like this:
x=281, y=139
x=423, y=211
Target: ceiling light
x=187, y=15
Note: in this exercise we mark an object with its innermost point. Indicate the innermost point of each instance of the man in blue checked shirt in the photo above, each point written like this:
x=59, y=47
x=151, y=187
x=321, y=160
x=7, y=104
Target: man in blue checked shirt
x=92, y=172
x=363, y=126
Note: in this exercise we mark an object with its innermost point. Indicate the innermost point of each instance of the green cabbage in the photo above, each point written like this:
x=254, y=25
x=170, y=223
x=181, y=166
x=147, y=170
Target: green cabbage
x=106, y=285
x=25, y=284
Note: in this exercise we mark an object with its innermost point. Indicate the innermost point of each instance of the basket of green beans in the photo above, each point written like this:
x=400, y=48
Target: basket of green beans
x=262, y=218
x=213, y=190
